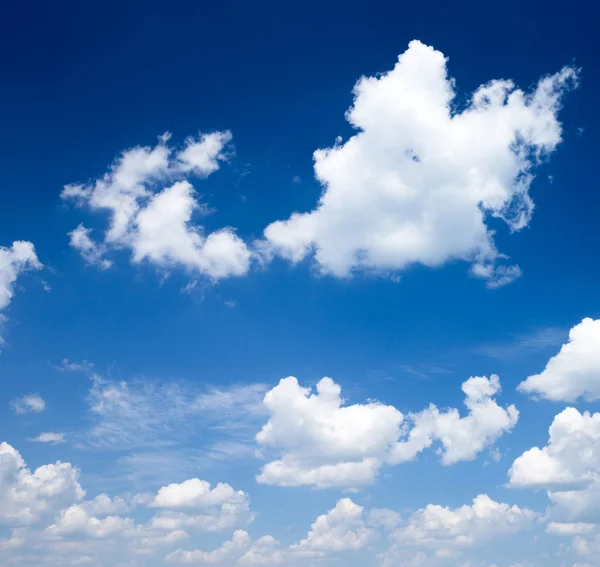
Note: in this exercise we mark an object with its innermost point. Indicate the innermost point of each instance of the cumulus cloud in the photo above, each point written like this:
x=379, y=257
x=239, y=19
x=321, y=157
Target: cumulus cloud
x=568, y=467
x=52, y=523
x=575, y=371
x=32, y=403
x=323, y=443
x=78, y=520
x=458, y=528
x=461, y=438
x=15, y=260
x=341, y=529
x=28, y=496
x=264, y=551
x=229, y=551
x=419, y=181
x=193, y=503
x=151, y=204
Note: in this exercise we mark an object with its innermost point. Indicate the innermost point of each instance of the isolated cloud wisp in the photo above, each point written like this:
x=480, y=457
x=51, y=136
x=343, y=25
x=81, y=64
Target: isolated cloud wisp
x=31, y=403
x=419, y=180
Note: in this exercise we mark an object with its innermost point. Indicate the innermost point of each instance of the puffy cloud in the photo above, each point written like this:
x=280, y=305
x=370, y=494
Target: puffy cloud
x=32, y=403
x=195, y=493
x=568, y=467
x=264, y=551
x=229, y=551
x=575, y=371
x=52, y=524
x=19, y=258
x=193, y=503
x=341, y=529
x=462, y=438
x=78, y=520
x=50, y=437
x=323, y=442
x=419, y=180
x=28, y=496
x=151, y=206
x=447, y=528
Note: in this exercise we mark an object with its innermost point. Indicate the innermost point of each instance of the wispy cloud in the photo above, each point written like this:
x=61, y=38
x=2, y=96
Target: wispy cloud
x=155, y=427
x=32, y=403
x=71, y=366
x=521, y=344
x=50, y=437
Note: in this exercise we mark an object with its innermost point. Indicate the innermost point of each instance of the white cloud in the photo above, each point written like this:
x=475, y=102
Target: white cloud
x=193, y=503
x=324, y=443
x=152, y=205
x=441, y=528
x=264, y=551
x=51, y=522
x=78, y=520
x=15, y=260
x=419, y=180
x=50, y=437
x=91, y=251
x=229, y=551
x=570, y=529
x=161, y=428
x=67, y=365
x=341, y=529
x=575, y=371
x=28, y=496
x=32, y=403
x=568, y=467
x=462, y=438
x=195, y=493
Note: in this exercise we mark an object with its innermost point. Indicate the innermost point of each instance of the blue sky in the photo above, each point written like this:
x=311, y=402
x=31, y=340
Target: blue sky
x=257, y=310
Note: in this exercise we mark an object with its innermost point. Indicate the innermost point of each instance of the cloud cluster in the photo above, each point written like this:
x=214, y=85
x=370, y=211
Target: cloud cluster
x=323, y=443
x=49, y=517
x=446, y=528
x=151, y=204
x=418, y=182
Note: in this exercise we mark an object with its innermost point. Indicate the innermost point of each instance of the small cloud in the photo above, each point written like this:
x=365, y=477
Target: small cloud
x=231, y=304
x=31, y=403
x=67, y=366
x=550, y=179
x=580, y=131
x=46, y=285
x=50, y=437
x=297, y=179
